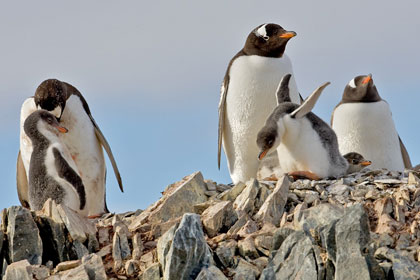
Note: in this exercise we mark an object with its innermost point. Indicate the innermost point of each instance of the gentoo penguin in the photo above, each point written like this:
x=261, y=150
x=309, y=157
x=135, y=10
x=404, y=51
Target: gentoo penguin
x=84, y=140
x=307, y=145
x=52, y=172
x=247, y=97
x=363, y=123
x=356, y=162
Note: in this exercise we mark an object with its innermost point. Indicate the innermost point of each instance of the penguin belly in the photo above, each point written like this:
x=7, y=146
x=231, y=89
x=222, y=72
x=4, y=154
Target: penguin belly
x=301, y=149
x=368, y=129
x=249, y=101
x=26, y=148
x=87, y=153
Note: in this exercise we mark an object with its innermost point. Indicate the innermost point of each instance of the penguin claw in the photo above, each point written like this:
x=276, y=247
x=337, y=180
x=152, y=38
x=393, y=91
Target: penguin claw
x=304, y=175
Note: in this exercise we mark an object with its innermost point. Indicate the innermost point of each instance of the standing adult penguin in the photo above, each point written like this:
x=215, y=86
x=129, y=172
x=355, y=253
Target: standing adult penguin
x=52, y=171
x=307, y=145
x=84, y=141
x=363, y=124
x=247, y=96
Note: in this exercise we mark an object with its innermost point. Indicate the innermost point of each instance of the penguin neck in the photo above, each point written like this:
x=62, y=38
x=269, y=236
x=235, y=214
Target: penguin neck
x=41, y=137
x=274, y=53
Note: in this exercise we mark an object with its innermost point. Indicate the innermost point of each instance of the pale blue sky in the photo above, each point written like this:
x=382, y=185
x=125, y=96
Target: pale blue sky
x=151, y=73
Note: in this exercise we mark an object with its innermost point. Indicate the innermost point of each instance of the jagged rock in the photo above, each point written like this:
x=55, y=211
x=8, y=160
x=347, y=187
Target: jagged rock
x=232, y=193
x=40, y=272
x=249, y=227
x=402, y=267
x=78, y=273
x=94, y=267
x=244, y=203
x=218, y=216
x=130, y=268
x=318, y=216
x=123, y=243
x=225, y=252
x=260, y=263
x=67, y=265
x=164, y=244
x=413, y=179
x=79, y=250
x=20, y=270
x=211, y=273
x=295, y=259
x=352, y=237
x=137, y=246
x=279, y=236
x=243, y=219
x=247, y=248
x=146, y=260
x=152, y=272
x=189, y=252
x=23, y=236
x=273, y=207
x=263, y=243
x=262, y=195
x=246, y=271
x=178, y=199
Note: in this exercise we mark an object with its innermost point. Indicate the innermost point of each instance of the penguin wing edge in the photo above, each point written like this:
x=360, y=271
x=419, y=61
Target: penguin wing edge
x=22, y=182
x=405, y=156
x=222, y=110
x=108, y=150
x=65, y=171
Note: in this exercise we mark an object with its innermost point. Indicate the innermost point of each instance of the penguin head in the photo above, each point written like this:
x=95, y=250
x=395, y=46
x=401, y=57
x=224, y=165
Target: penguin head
x=361, y=89
x=269, y=138
x=268, y=40
x=356, y=162
x=42, y=121
x=51, y=95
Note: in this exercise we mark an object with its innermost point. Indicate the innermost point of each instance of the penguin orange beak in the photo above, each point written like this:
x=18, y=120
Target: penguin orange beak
x=366, y=163
x=367, y=79
x=288, y=35
x=62, y=129
x=262, y=154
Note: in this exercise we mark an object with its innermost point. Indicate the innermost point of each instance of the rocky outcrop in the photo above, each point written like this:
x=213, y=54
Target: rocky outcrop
x=362, y=226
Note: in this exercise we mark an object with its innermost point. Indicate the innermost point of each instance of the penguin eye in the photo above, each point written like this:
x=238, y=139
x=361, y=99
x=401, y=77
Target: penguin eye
x=354, y=161
x=49, y=120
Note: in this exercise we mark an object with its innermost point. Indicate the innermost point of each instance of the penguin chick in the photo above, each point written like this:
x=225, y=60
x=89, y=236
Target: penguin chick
x=306, y=145
x=247, y=98
x=52, y=173
x=356, y=162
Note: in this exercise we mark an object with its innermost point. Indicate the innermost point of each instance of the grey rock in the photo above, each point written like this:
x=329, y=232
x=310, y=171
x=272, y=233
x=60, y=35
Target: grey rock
x=40, y=272
x=23, y=236
x=137, y=246
x=94, y=267
x=318, y=216
x=179, y=198
x=232, y=193
x=262, y=195
x=79, y=249
x=152, y=272
x=338, y=189
x=402, y=267
x=189, y=252
x=294, y=260
x=78, y=273
x=211, y=273
x=279, y=236
x=164, y=244
x=246, y=271
x=123, y=243
x=247, y=248
x=273, y=207
x=244, y=203
x=221, y=215
x=20, y=270
x=243, y=219
x=249, y=227
x=352, y=237
x=63, y=266
x=225, y=252
x=130, y=268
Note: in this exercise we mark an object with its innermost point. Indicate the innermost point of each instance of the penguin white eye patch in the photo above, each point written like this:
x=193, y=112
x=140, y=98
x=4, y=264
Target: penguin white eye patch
x=352, y=84
x=262, y=32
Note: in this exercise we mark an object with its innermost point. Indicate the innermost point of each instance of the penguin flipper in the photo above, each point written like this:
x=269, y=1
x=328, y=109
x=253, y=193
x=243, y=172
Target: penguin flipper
x=309, y=103
x=65, y=171
x=222, y=114
x=22, y=182
x=108, y=150
x=405, y=156
x=282, y=93
x=301, y=98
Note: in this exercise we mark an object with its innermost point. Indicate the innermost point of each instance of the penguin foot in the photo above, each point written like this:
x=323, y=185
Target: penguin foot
x=94, y=216
x=271, y=178
x=304, y=175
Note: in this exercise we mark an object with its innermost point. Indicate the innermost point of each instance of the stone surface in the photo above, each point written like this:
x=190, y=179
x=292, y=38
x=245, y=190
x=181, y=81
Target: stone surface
x=244, y=203
x=402, y=267
x=232, y=193
x=318, y=216
x=247, y=248
x=273, y=207
x=246, y=271
x=178, y=198
x=152, y=272
x=211, y=273
x=221, y=215
x=189, y=252
x=94, y=267
x=24, y=241
x=68, y=265
x=20, y=270
x=78, y=273
x=225, y=252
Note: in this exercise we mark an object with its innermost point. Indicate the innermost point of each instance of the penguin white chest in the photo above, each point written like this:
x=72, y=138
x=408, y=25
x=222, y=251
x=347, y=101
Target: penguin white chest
x=86, y=152
x=368, y=129
x=26, y=148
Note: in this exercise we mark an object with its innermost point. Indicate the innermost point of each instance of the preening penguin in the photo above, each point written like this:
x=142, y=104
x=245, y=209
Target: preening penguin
x=84, y=140
x=306, y=144
x=363, y=123
x=247, y=96
x=52, y=172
